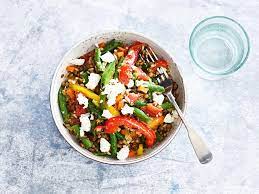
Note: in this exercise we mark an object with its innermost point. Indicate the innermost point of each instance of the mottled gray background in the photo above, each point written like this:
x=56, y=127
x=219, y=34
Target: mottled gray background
x=34, y=157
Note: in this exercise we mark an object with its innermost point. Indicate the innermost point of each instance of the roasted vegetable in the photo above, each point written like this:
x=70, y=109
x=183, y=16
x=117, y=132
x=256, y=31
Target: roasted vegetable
x=102, y=101
x=113, y=141
x=92, y=108
x=112, y=124
x=111, y=45
x=140, y=150
x=108, y=73
x=159, y=63
x=76, y=130
x=125, y=73
x=113, y=110
x=88, y=93
x=63, y=105
x=155, y=122
x=100, y=66
x=141, y=115
x=116, y=74
x=166, y=105
x=152, y=110
x=155, y=88
x=119, y=136
x=86, y=142
x=84, y=76
x=140, y=103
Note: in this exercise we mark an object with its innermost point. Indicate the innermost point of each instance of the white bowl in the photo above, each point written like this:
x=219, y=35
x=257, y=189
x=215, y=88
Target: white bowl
x=87, y=45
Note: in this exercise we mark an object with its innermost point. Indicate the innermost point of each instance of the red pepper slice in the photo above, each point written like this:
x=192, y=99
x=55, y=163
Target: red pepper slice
x=152, y=110
x=140, y=74
x=113, y=123
x=99, y=128
x=87, y=56
x=80, y=110
x=159, y=63
x=132, y=98
x=125, y=73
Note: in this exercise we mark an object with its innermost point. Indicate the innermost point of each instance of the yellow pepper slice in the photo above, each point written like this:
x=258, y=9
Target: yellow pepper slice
x=113, y=111
x=96, y=99
x=155, y=122
x=140, y=150
x=88, y=93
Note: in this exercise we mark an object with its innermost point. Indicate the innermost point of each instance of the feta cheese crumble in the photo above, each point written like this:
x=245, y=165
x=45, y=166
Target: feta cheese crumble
x=158, y=98
x=77, y=61
x=82, y=100
x=104, y=145
x=113, y=89
x=94, y=79
x=91, y=117
x=175, y=114
x=130, y=84
x=108, y=57
x=168, y=118
x=82, y=133
x=107, y=114
x=123, y=153
x=127, y=110
x=85, y=124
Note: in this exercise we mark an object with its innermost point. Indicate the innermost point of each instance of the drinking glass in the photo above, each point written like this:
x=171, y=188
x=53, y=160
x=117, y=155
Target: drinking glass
x=218, y=46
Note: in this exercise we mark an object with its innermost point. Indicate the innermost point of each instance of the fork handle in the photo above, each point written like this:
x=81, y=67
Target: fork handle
x=201, y=150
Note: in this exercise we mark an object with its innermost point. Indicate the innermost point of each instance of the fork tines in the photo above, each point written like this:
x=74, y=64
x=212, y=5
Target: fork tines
x=150, y=54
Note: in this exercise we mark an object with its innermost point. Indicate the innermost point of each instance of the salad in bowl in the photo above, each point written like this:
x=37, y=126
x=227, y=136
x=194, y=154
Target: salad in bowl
x=111, y=104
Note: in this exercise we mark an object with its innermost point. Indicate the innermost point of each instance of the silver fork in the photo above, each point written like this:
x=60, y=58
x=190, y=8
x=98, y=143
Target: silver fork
x=202, y=152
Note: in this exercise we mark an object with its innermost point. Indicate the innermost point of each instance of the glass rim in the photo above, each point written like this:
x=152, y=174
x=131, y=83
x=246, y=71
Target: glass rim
x=242, y=29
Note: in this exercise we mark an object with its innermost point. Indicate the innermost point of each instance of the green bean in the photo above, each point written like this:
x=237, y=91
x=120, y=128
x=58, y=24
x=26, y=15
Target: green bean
x=116, y=74
x=100, y=153
x=111, y=45
x=84, y=76
x=93, y=125
x=154, y=80
x=166, y=105
x=97, y=59
x=113, y=139
x=141, y=115
x=155, y=88
x=108, y=73
x=145, y=66
x=140, y=103
x=94, y=132
x=92, y=108
x=76, y=129
x=86, y=142
x=119, y=136
x=63, y=105
x=158, y=137
x=102, y=101
x=120, y=61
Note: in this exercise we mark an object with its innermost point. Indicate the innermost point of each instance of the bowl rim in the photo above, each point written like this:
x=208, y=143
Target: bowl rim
x=90, y=155
x=231, y=20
